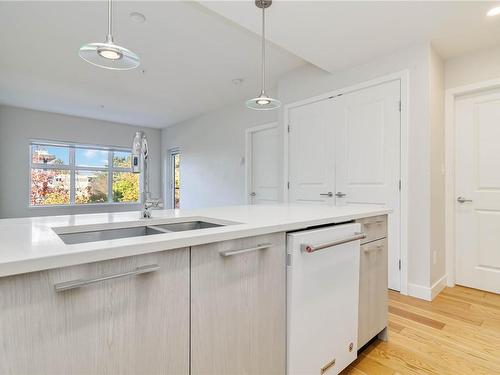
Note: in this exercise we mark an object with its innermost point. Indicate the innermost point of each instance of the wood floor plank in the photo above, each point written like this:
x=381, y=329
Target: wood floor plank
x=447, y=309
x=477, y=344
x=456, y=334
x=372, y=367
x=445, y=355
x=416, y=317
x=393, y=326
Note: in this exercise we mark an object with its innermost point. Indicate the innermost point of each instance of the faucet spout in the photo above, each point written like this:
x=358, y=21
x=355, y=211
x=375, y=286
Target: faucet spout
x=140, y=164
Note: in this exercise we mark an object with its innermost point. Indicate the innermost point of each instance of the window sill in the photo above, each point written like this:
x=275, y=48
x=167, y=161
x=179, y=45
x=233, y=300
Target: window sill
x=114, y=204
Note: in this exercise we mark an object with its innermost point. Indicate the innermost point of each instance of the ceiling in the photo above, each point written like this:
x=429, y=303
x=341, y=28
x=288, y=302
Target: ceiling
x=337, y=34
x=191, y=51
x=190, y=56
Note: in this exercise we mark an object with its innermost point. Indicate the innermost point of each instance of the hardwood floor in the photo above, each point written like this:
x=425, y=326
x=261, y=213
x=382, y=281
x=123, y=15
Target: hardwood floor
x=457, y=334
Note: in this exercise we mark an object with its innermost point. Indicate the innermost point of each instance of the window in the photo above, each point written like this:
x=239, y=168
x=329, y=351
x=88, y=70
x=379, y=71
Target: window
x=175, y=158
x=70, y=174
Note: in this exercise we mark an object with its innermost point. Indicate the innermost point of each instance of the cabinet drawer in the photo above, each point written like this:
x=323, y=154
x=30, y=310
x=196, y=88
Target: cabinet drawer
x=374, y=227
x=372, y=310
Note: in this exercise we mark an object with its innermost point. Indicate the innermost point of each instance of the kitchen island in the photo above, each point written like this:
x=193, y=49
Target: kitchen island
x=203, y=301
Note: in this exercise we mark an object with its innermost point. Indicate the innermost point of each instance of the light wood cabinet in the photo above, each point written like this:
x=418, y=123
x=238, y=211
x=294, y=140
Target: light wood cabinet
x=238, y=307
x=373, y=279
x=129, y=325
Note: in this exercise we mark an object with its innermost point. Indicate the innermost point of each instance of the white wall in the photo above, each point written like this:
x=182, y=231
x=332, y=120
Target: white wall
x=438, y=250
x=475, y=67
x=310, y=81
x=212, y=147
x=18, y=126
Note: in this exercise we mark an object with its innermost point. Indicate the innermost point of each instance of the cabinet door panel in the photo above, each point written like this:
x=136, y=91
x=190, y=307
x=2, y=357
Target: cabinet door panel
x=238, y=308
x=132, y=325
x=372, y=313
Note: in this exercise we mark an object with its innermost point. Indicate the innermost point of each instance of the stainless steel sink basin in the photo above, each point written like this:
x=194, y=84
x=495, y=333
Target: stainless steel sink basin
x=146, y=230
x=108, y=234
x=188, y=225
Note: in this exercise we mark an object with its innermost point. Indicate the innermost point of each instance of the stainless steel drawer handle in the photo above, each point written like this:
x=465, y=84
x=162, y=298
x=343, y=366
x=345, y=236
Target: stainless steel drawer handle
x=313, y=248
x=372, y=248
x=261, y=246
x=73, y=284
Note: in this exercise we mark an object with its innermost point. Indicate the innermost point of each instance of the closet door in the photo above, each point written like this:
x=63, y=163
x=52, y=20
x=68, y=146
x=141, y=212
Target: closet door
x=312, y=154
x=368, y=156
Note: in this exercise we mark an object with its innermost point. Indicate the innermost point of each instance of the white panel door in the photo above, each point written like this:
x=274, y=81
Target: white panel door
x=263, y=144
x=312, y=154
x=477, y=188
x=368, y=157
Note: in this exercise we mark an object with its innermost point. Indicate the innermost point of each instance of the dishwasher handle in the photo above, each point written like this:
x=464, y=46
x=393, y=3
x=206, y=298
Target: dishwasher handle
x=312, y=248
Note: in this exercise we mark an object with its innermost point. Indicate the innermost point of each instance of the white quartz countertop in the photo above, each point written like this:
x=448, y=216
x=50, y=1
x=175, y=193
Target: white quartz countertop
x=32, y=244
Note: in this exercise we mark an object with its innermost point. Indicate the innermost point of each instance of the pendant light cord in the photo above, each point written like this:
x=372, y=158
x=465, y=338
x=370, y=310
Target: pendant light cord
x=263, y=50
x=110, y=21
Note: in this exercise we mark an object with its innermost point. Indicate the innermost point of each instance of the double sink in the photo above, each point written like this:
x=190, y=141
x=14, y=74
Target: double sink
x=137, y=231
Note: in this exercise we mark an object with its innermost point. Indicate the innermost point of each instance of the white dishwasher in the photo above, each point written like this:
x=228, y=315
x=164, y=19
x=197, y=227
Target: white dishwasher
x=322, y=299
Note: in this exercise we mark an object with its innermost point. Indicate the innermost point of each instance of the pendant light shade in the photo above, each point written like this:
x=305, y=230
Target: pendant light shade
x=108, y=54
x=263, y=102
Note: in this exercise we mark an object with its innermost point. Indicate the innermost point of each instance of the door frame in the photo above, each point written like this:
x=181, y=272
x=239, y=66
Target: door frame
x=451, y=96
x=404, y=77
x=248, y=155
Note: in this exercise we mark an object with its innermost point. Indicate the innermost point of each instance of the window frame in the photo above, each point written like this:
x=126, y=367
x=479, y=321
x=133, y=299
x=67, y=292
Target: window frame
x=173, y=153
x=73, y=168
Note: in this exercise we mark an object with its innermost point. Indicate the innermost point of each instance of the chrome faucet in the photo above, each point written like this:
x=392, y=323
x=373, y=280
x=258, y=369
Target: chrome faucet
x=140, y=163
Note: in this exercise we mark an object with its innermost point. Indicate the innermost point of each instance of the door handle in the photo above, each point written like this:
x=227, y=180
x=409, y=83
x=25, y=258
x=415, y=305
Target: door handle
x=463, y=200
x=329, y=194
x=340, y=194
x=253, y=194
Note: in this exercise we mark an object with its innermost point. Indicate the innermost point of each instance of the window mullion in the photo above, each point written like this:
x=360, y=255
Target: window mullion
x=72, y=178
x=110, y=176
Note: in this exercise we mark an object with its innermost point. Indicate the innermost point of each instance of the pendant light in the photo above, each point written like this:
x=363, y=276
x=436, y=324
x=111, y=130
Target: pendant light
x=108, y=54
x=263, y=101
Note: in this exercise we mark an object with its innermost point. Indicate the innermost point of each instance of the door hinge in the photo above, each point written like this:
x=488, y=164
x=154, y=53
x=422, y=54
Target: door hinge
x=400, y=106
x=400, y=185
x=289, y=128
x=288, y=185
x=399, y=264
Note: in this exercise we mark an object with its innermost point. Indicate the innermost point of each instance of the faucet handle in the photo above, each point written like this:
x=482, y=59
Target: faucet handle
x=154, y=203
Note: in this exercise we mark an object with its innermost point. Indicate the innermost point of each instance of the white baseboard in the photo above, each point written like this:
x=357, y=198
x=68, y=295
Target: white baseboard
x=425, y=292
x=438, y=286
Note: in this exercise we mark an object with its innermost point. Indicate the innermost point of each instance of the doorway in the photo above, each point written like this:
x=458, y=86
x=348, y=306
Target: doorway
x=346, y=149
x=262, y=164
x=477, y=189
